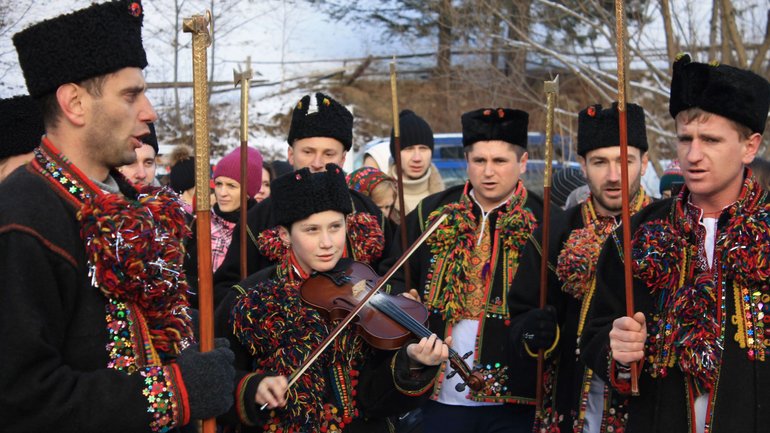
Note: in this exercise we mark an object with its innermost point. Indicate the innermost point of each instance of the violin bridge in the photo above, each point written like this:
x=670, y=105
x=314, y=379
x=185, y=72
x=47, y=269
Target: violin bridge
x=359, y=289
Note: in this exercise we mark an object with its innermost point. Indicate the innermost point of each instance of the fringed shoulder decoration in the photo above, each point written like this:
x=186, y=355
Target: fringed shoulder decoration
x=265, y=320
x=135, y=250
x=367, y=239
x=669, y=257
x=576, y=265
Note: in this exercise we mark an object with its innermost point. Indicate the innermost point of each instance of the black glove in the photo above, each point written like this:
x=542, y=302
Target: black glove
x=538, y=329
x=209, y=378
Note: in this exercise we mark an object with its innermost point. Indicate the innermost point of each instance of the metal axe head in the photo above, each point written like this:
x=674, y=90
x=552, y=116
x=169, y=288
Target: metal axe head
x=243, y=76
x=551, y=86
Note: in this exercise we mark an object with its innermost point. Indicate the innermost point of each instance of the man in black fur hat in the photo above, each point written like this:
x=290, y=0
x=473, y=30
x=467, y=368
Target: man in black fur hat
x=700, y=264
x=94, y=328
x=21, y=127
x=321, y=133
x=575, y=399
x=464, y=273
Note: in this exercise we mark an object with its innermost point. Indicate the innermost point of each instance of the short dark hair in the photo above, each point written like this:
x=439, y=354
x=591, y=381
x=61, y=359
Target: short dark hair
x=49, y=104
x=519, y=150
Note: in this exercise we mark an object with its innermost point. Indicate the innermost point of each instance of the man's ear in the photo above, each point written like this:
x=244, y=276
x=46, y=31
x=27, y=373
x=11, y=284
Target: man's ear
x=70, y=98
x=283, y=233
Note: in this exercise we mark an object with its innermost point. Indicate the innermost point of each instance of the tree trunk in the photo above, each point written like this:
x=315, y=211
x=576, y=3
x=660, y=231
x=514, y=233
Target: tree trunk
x=516, y=59
x=714, y=30
x=672, y=48
x=445, y=24
x=729, y=14
x=177, y=21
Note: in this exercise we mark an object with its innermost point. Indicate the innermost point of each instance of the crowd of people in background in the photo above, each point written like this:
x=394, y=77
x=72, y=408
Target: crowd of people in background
x=99, y=261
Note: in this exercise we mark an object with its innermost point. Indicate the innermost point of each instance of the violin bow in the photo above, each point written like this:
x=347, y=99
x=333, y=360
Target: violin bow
x=399, y=173
x=551, y=89
x=625, y=212
x=201, y=28
x=295, y=375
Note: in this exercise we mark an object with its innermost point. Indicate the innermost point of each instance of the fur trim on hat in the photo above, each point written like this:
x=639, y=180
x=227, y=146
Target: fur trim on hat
x=21, y=126
x=599, y=127
x=322, y=117
x=737, y=94
x=488, y=124
x=88, y=43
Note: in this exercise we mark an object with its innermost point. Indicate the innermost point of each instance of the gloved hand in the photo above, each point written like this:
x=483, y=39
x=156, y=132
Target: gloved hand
x=538, y=329
x=209, y=378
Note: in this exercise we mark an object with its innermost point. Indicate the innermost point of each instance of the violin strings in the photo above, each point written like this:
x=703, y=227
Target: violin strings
x=393, y=311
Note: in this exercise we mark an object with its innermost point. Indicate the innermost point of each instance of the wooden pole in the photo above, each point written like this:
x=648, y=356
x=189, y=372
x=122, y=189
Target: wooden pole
x=399, y=171
x=620, y=32
x=243, y=79
x=198, y=25
x=551, y=89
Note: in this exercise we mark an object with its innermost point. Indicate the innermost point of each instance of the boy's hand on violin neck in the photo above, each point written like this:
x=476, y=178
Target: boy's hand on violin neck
x=412, y=294
x=272, y=391
x=429, y=351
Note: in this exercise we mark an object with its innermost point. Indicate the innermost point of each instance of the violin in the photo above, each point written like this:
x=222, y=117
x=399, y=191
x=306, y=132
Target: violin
x=385, y=322
x=352, y=303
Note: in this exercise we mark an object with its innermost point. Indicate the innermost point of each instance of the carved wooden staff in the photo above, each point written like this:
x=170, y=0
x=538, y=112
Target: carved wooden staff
x=244, y=79
x=551, y=89
x=199, y=26
x=399, y=174
x=625, y=212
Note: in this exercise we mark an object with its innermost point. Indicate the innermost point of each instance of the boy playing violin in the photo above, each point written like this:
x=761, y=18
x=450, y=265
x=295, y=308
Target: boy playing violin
x=351, y=386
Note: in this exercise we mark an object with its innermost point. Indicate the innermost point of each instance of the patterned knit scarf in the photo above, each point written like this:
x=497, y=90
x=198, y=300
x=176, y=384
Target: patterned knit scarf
x=454, y=239
x=576, y=265
x=134, y=248
x=669, y=257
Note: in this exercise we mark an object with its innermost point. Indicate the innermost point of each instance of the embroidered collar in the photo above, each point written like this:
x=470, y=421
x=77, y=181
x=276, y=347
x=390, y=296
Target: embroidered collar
x=454, y=239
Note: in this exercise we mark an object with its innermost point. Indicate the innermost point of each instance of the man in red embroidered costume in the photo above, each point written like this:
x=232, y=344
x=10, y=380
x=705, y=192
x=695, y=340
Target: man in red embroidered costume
x=321, y=133
x=464, y=274
x=575, y=399
x=93, y=311
x=700, y=264
x=21, y=126
x=351, y=387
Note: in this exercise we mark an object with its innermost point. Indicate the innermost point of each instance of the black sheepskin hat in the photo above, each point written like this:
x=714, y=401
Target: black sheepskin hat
x=325, y=118
x=299, y=194
x=21, y=125
x=737, y=94
x=598, y=127
x=487, y=124
x=98, y=40
x=151, y=138
x=414, y=130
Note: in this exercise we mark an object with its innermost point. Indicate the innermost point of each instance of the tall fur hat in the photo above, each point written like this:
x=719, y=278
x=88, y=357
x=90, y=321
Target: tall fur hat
x=299, y=194
x=737, y=94
x=91, y=42
x=324, y=118
x=598, y=127
x=21, y=125
x=487, y=124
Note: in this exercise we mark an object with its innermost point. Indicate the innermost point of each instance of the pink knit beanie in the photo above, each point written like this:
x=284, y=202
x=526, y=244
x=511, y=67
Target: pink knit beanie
x=230, y=166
